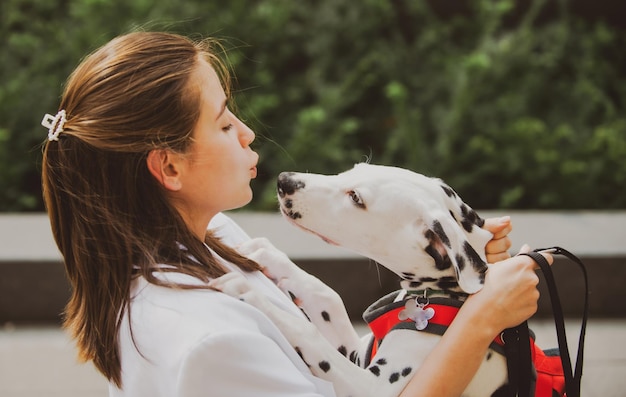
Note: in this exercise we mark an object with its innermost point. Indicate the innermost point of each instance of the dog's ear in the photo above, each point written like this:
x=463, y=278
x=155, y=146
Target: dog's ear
x=467, y=219
x=449, y=247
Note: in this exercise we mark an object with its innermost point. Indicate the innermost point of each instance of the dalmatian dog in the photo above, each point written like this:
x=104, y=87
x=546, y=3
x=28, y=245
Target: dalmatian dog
x=415, y=226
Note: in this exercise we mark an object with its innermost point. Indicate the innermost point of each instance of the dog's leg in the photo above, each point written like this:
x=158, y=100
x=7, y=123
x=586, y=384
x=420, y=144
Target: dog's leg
x=322, y=358
x=319, y=302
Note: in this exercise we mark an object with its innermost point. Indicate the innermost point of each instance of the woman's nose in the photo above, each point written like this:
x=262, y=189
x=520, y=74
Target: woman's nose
x=246, y=135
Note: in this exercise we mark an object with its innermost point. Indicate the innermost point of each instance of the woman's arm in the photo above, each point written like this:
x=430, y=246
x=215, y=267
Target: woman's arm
x=508, y=298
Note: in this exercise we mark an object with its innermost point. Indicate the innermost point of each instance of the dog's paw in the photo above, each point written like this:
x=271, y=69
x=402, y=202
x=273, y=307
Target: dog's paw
x=236, y=285
x=254, y=244
x=276, y=264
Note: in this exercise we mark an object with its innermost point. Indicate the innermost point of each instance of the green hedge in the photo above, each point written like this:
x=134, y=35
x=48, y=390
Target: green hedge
x=515, y=107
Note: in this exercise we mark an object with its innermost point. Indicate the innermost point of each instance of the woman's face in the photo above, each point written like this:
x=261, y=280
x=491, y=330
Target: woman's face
x=220, y=163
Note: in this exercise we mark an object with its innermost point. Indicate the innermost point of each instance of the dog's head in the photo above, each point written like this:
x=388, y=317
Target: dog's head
x=414, y=225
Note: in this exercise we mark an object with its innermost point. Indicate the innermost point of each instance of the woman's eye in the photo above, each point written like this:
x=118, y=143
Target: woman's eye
x=227, y=128
x=356, y=199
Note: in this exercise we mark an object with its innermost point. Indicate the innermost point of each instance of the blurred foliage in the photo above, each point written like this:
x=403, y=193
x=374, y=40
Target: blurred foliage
x=516, y=104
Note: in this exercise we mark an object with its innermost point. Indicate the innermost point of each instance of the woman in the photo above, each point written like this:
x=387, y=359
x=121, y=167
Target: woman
x=144, y=155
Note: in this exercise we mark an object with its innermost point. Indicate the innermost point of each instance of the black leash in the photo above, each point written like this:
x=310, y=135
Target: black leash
x=517, y=342
x=518, y=360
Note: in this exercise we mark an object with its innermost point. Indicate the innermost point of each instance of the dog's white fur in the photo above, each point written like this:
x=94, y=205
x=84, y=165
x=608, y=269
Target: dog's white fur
x=400, y=219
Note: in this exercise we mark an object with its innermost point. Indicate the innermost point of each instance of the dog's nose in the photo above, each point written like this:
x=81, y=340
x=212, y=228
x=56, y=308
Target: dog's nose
x=287, y=185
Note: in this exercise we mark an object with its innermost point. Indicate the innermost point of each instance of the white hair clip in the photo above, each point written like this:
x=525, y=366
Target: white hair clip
x=54, y=124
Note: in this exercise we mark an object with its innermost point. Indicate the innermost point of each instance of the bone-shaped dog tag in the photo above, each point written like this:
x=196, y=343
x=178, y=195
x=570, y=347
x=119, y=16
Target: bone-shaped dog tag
x=417, y=312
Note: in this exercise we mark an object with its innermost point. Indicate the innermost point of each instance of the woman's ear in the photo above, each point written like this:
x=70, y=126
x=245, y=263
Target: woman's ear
x=164, y=166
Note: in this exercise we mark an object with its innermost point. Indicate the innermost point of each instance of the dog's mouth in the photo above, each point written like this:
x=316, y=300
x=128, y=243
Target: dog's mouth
x=286, y=215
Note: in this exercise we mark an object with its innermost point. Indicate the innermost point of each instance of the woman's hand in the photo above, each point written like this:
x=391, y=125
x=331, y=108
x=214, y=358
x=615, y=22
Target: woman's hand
x=510, y=293
x=497, y=248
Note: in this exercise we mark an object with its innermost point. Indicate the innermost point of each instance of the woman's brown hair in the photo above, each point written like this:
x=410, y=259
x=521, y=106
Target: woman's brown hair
x=110, y=218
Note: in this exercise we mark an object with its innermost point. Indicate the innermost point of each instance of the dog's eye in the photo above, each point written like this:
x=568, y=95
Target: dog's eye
x=356, y=199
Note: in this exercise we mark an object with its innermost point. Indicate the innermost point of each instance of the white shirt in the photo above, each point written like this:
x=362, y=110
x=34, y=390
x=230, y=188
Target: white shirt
x=205, y=343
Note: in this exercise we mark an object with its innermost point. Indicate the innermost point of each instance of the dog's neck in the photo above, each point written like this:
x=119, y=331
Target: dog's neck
x=445, y=287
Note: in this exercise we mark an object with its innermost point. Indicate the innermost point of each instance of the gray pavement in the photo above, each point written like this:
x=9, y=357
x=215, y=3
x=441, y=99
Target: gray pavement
x=41, y=361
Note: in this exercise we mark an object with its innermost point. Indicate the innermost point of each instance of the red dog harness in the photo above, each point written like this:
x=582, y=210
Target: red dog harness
x=383, y=316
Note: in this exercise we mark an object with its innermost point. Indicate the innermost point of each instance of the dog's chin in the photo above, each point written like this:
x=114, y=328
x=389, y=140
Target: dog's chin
x=293, y=222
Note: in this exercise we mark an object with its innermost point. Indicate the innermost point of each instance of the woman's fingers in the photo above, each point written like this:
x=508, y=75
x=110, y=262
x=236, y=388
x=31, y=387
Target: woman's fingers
x=499, y=227
x=496, y=246
x=546, y=254
x=497, y=249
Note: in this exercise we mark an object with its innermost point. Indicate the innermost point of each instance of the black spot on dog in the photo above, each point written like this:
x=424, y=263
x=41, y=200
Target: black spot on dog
x=375, y=370
x=406, y=371
x=489, y=355
x=415, y=284
x=475, y=260
x=324, y=366
x=430, y=235
x=353, y=356
x=449, y=191
x=441, y=262
x=326, y=316
x=294, y=215
x=408, y=275
x=393, y=378
x=445, y=263
x=438, y=229
x=466, y=221
x=428, y=279
x=342, y=349
x=305, y=315
x=460, y=262
x=286, y=185
x=381, y=361
x=446, y=283
x=288, y=203
x=470, y=218
x=301, y=356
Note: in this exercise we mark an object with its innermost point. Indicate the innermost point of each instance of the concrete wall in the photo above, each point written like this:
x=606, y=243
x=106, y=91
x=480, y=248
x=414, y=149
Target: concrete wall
x=33, y=288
